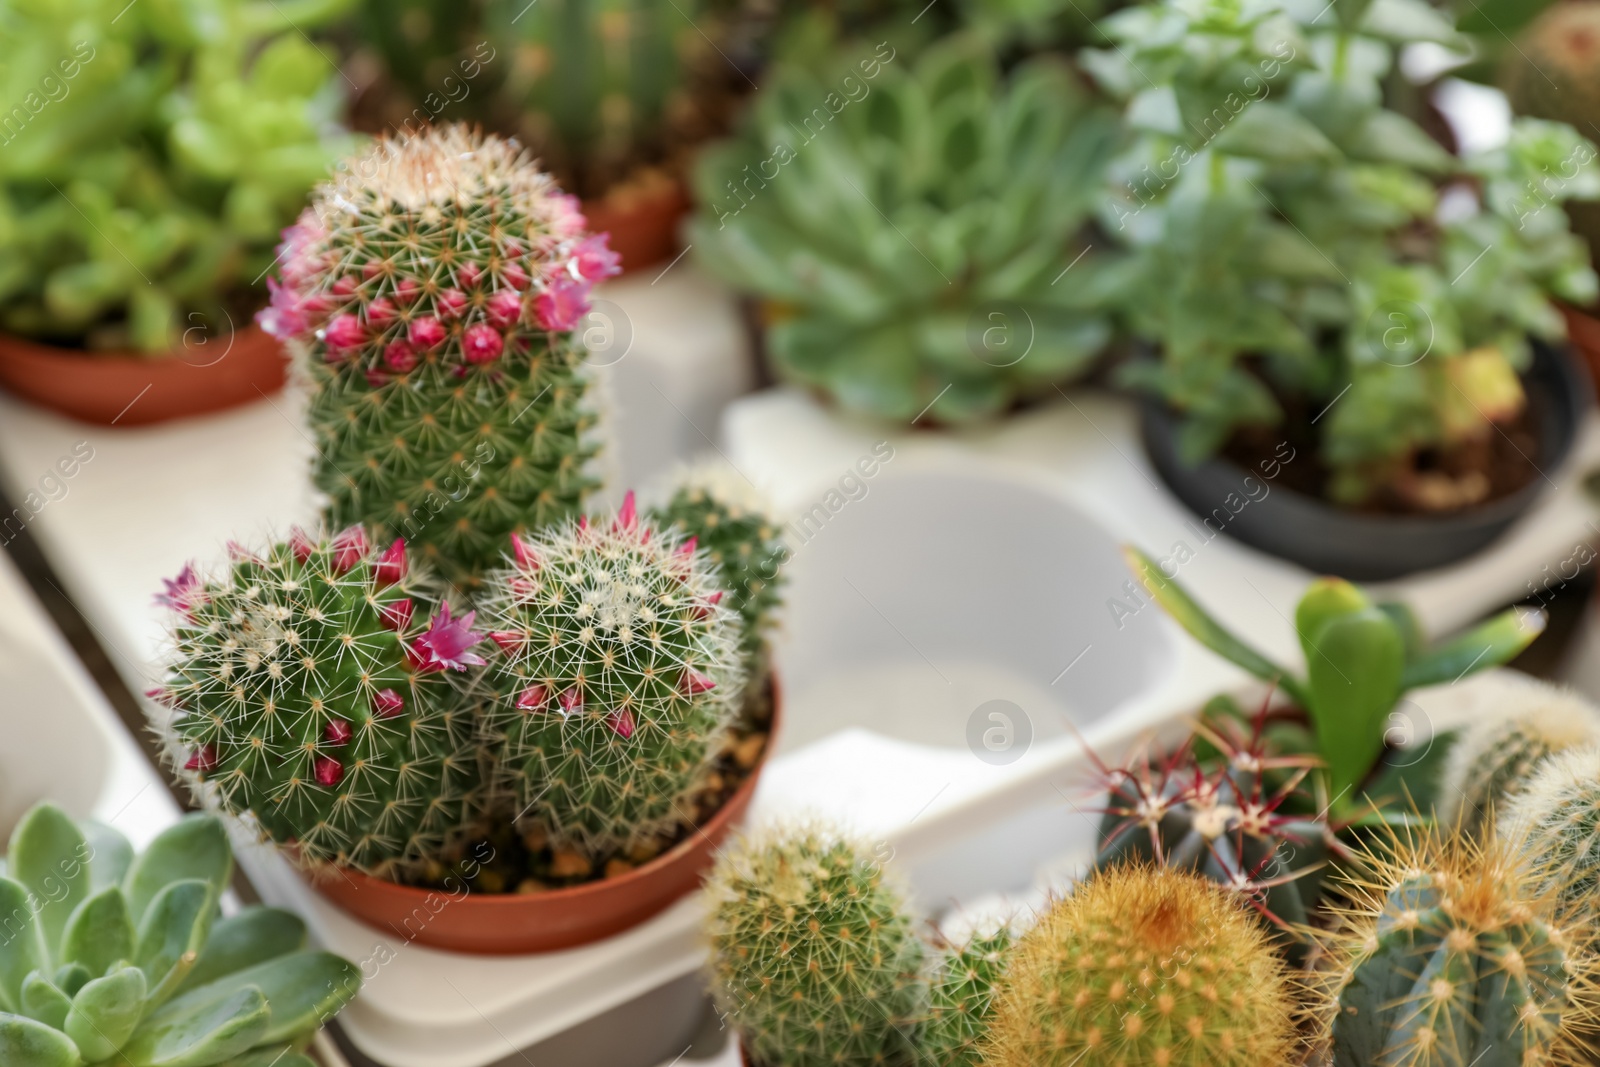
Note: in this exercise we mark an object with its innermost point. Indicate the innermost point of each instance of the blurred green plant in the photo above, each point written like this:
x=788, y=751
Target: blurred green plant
x=149, y=155
x=1293, y=240
x=915, y=228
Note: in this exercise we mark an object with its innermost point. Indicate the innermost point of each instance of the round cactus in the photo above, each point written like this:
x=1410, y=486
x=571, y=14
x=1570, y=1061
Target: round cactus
x=1555, y=821
x=431, y=290
x=1496, y=756
x=1449, y=957
x=308, y=691
x=618, y=676
x=1144, y=967
x=728, y=517
x=813, y=955
x=961, y=1000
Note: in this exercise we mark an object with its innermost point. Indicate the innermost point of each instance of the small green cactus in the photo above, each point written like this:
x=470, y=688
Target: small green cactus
x=618, y=676
x=1449, y=957
x=1555, y=820
x=728, y=517
x=120, y=961
x=1497, y=756
x=1144, y=967
x=308, y=693
x=961, y=1000
x=813, y=954
x=430, y=292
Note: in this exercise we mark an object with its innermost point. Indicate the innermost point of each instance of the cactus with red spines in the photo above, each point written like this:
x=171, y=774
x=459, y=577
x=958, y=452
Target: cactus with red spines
x=430, y=292
x=618, y=672
x=308, y=692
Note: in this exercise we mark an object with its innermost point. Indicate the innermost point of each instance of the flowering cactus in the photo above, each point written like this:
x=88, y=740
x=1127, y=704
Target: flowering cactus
x=618, y=674
x=308, y=692
x=430, y=292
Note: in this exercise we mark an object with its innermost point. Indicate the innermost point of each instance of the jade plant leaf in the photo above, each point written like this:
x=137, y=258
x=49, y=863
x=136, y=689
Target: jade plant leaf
x=1488, y=644
x=1324, y=600
x=106, y=1012
x=71, y=977
x=1354, y=671
x=41, y=1000
x=196, y=847
x=172, y=935
x=212, y=1034
x=110, y=854
x=271, y=1056
x=22, y=947
x=253, y=936
x=99, y=933
x=49, y=856
x=303, y=990
x=25, y=1043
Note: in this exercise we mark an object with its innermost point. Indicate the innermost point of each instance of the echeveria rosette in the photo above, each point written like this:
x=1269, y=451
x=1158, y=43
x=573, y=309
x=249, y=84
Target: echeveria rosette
x=617, y=676
x=308, y=693
x=118, y=960
x=430, y=291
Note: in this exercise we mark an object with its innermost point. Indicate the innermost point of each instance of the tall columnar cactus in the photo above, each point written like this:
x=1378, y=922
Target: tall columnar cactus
x=121, y=961
x=813, y=954
x=961, y=999
x=1555, y=821
x=1449, y=957
x=618, y=674
x=1497, y=756
x=308, y=691
x=431, y=290
x=1144, y=967
x=729, y=518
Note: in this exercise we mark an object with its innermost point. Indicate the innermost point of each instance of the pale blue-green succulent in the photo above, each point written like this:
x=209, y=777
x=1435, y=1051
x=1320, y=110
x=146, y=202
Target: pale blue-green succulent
x=111, y=959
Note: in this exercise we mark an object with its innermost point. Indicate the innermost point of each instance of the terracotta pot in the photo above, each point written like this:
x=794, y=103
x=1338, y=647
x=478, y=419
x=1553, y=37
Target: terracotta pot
x=1583, y=330
x=127, y=389
x=642, y=221
x=499, y=924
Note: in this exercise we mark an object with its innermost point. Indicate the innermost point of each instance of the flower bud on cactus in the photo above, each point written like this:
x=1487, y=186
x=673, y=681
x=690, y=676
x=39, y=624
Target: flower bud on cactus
x=1497, y=755
x=617, y=675
x=1144, y=967
x=308, y=691
x=728, y=518
x=961, y=1001
x=447, y=403
x=1555, y=822
x=813, y=955
x=1448, y=956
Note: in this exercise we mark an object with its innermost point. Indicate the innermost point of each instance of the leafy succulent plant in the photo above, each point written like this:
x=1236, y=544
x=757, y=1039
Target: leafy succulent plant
x=116, y=960
x=1360, y=656
x=915, y=229
x=1301, y=253
x=150, y=156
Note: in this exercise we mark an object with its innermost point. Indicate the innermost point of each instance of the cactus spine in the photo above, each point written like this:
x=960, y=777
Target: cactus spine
x=813, y=955
x=430, y=291
x=1144, y=967
x=618, y=675
x=961, y=1000
x=308, y=693
x=1495, y=758
x=1555, y=820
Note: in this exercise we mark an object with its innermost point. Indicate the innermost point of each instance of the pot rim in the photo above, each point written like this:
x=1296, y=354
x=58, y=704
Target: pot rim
x=13, y=345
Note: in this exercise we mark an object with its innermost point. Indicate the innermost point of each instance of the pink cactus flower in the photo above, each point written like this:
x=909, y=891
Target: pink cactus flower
x=350, y=546
x=300, y=544
x=593, y=259
x=525, y=554
x=508, y=640
x=285, y=316
x=343, y=332
x=386, y=704
x=693, y=683
x=513, y=275
x=622, y=722
x=451, y=303
x=296, y=253
x=329, y=771
x=426, y=332
x=406, y=290
x=468, y=275
x=345, y=285
x=566, y=216
x=511, y=248
x=337, y=733
x=688, y=547
x=397, y=616
x=562, y=304
x=482, y=344
x=202, y=759
x=391, y=566
x=183, y=593
x=504, y=308
x=376, y=378
x=380, y=312
x=571, y=701
x=371, y=269
x=399, y=356
x=532, y=698
x=446, y=644
x=628, y=514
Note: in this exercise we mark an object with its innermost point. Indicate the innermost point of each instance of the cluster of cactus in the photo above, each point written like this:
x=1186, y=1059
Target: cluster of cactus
x=431, y=290
x=912, y=241
x=618, y=674
x=1497, y=756
x=151, y=155
x=307, y=690
x=121, y=961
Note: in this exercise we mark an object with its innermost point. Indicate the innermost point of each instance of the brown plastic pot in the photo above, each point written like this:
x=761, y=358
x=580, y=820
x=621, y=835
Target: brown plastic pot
x=502, y=924
x=1583, y=330
x=642, y=221
x=128, y=389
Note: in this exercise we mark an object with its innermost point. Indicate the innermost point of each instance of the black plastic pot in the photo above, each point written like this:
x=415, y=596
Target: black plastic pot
x=1327, y=539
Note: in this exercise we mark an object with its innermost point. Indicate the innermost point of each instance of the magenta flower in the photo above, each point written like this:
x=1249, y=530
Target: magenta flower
x=514, y=276
x=468, y=274
x=297, y=252
x=450, y=303
x=426, y=331
x=446, y=643
x=183, y=593
x=284, y=317
x=350, y=547
x=391, y=566
x=344, y=331
x=482, y=344
x=380, y=312
x=329, y=771
x=337, y=733
x=562, y=304
x=399, y=356
x=566, y=216
x=593, y=259
x=504, y=308
x=397, y=616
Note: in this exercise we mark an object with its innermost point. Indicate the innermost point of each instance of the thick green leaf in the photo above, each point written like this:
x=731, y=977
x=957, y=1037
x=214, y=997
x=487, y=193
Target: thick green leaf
x=1488, y=644
x=22, y=947
x=106, y=1012
x=196, y=847
x=49, y=856
x=41, y=1000
x=1354, y=672
x=171, y=936
x=99, y=933
x=272, y=1056
x=253, y=936
x=1268, y=130
x=218, y=1031
x=1324, y=600
x=1177, y=603
x=304, y=990
x=25, y=1043
x=1406, y=621
x=71, y=977
x=110, y=854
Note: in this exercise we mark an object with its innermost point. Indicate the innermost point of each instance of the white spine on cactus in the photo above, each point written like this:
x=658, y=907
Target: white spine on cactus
x=1555, y=820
